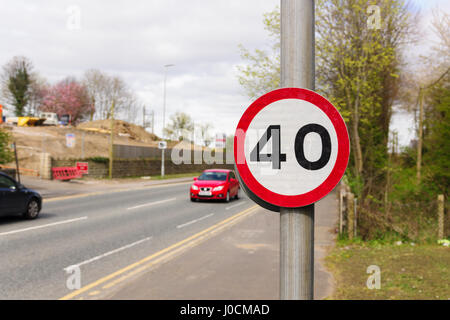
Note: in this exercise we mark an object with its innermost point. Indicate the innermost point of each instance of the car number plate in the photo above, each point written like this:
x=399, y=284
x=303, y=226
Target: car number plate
x=205, y=193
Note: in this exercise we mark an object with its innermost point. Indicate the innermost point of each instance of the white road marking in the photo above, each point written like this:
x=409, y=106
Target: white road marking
x=151, y=203
x=108, y=253
x=42, y=226
x=235, y=205
x=194, y=221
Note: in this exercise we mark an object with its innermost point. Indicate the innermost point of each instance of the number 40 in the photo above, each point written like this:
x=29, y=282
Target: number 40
x=276, y=157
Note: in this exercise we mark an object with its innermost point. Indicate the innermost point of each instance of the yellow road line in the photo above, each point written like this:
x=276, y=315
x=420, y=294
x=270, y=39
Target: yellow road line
x=174, y=252
x=75, y=196
x=157, y=254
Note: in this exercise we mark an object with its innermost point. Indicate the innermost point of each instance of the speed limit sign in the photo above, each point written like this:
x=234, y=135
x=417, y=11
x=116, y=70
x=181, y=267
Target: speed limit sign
x=291, y=148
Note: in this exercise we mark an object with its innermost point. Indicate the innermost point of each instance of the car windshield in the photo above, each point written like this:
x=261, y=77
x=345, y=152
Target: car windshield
x=211, y=175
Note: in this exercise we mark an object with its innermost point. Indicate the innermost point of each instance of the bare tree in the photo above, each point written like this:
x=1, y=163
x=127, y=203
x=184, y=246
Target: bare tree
x=38, y=89
x=104, y=89
x=204, y=133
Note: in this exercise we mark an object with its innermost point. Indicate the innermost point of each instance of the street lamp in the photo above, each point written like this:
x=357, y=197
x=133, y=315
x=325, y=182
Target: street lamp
x=164, y=115
x=164, y=104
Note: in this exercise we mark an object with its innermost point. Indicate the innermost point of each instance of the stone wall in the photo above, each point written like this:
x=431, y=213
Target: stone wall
x=137, y=167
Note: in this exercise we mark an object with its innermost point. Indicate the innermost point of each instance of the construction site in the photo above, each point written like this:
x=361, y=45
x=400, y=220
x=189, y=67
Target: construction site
x=40, y=147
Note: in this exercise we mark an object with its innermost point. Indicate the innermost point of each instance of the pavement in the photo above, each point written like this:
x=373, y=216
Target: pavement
x=146, y=240
x=240, y=263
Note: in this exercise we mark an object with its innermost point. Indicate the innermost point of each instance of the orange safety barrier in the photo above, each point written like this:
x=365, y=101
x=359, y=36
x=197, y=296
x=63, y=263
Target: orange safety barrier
x=66, y=173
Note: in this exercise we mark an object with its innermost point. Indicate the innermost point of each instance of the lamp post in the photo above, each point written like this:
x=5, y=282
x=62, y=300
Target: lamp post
x=164, y=115
x=164, y=104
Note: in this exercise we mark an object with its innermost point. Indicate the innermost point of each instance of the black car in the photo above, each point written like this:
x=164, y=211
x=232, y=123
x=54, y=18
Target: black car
x=17, y=199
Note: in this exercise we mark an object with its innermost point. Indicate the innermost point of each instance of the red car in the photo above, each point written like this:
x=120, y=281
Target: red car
x=215, y=184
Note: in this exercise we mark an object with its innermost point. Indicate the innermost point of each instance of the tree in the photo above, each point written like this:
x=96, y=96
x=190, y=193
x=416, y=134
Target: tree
x=6, y=154
x=16, y=81
x=180, y=128
x=437, y=135
x=103, y=89
x=262, y=74
x=204, y=134
x=68, y=97
x=38, y=89
x=435, y=100
x=357, y=69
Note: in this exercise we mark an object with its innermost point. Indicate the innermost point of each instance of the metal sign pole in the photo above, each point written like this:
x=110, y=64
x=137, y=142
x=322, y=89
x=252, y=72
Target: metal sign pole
x=297, y=225
x=162, y=163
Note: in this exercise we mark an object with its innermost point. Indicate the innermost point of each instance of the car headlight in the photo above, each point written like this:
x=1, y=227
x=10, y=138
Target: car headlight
x=218, y=188
x=194, y=187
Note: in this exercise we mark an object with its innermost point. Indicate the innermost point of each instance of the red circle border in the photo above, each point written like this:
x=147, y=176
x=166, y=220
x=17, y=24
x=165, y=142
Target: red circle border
x=289, y=201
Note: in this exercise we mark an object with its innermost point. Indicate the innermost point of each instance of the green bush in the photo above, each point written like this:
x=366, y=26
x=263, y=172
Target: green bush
x=98, y=159
x=6, y=154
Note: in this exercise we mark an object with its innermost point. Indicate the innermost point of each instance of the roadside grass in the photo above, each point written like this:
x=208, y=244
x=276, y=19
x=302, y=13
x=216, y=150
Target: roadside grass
x=407, y=271
x=177, y=175
x=159, y=177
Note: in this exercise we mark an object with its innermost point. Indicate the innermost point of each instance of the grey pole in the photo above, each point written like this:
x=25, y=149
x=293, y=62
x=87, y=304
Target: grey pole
x=164, y=115
x=164, y=106
x=297, y=225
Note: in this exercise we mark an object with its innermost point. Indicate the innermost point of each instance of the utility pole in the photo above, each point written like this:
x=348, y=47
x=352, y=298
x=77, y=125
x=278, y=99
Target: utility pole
x=153, y=121
x=164, y=116
x=111, y=141
x=143, y=116
x=297, y=224
x=164, y=105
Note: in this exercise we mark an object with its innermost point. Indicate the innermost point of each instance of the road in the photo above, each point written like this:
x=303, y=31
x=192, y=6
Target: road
x=100, y=234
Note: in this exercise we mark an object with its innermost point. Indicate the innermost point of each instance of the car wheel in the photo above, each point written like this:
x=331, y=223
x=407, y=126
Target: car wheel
x=32, y=209
x=227, y=199
x=193, y=200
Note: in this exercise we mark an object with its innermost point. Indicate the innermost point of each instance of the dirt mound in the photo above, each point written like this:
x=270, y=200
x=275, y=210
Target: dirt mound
x=121, y=128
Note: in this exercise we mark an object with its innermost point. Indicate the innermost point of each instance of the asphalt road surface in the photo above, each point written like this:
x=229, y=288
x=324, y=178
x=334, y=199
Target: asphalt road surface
x=100, y=234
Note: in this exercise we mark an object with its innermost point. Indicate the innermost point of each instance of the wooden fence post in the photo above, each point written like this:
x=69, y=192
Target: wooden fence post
x=440, y=216
x=341, y=209
x=350, y=214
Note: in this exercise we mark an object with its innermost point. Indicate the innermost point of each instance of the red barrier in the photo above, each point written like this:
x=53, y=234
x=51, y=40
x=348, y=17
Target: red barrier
x=66, y=173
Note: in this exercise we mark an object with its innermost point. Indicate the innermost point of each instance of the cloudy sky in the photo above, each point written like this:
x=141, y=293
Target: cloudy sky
x=135, y=39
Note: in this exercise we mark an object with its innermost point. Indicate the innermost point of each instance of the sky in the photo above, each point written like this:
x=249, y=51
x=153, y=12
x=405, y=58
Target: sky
x=135, y=39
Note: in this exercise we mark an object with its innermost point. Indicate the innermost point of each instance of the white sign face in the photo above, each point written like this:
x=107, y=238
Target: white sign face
x=291, y=148
x=70, y=140
x=162, y=145
x=288, y=177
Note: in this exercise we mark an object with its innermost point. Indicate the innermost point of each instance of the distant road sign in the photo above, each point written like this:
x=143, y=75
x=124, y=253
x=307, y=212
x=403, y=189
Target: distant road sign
x=83, y=167
x=70, y=140
x=291, y=148
x=162, y=144
x=221, y=140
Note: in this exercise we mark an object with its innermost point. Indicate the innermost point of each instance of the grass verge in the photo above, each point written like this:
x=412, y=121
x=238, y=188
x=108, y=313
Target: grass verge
x=174, y=176
x=407, y=271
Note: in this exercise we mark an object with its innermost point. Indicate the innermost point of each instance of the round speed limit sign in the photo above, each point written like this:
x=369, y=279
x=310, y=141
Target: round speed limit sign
x=291, y=148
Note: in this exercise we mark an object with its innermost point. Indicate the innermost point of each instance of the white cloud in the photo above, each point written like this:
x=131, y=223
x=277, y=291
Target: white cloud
x=134, y=39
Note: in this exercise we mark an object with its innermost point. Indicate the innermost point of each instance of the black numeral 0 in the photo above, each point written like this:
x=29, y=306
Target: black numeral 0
x=276, y=157
x=299, y=146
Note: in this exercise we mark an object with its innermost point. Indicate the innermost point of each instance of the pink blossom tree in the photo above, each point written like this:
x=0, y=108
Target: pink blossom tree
x=68, y=97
